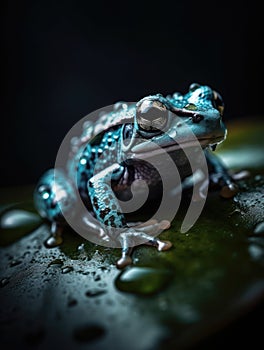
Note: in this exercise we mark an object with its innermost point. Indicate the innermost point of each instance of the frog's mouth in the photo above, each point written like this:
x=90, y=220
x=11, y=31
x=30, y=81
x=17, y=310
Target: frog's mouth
x=149, y=148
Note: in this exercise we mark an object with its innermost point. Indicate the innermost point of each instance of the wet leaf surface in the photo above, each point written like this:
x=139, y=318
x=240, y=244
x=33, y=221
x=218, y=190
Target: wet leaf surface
x=72, y=296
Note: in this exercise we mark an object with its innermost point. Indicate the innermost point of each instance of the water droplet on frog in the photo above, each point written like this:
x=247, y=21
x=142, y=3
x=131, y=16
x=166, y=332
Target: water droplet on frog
x=95, y=293
x=88, y=333
x=67, y=269
x=87, y=124
x=259, y=229
x=173, y=133
x=4, y=282
x=143, y=280
x=118, y=105
x=177, y=95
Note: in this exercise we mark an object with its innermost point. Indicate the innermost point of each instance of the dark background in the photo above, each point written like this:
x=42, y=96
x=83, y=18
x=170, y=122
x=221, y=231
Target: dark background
x=64, y=59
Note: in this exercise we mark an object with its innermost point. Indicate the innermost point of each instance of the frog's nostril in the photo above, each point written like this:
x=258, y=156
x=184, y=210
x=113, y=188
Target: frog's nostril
x=196, y=118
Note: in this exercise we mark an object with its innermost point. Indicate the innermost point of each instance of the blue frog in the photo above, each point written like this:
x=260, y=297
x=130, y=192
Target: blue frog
x=155, y=122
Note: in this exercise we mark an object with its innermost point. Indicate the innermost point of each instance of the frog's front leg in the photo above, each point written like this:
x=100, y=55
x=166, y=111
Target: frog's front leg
x=54, y=194
x=220, y=176
x=108, y=211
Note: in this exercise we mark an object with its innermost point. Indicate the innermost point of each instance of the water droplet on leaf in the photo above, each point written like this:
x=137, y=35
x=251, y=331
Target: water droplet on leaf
x=143, y=280
x=67, y=269
x=16, y=223
x=259, y=229
x=95, y=293
x=56, y=262
x=4, y=282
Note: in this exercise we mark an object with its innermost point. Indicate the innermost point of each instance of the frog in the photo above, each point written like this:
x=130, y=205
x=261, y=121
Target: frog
x=139, y=128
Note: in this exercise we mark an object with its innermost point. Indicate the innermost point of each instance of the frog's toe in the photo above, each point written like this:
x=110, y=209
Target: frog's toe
x=163, y=245
x=56, y=236
x=53, y=241
x=229, y=191
x=123, y=262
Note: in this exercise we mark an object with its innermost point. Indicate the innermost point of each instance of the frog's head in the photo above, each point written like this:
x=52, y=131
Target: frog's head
x=177, y=122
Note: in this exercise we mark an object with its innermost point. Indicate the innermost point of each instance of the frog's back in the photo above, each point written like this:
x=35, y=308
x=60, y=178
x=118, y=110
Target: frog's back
x=121, y=114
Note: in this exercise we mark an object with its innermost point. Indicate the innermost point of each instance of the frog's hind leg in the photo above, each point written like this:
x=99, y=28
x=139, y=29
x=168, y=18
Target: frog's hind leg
x=220, y=176
x=54, y=195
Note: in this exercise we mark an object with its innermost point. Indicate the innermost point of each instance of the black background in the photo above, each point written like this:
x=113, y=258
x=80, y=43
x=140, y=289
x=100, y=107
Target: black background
x=64, y=59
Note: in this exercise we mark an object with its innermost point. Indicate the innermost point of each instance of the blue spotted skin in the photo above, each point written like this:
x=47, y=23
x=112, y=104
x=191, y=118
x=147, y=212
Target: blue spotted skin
x=101, y=170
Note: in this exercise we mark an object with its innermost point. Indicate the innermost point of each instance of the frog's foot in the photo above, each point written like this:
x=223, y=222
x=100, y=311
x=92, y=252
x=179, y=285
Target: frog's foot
x=161, y=245
x=150, y=240
x=229, y=190
x=56, y=236
x=125, y=259
x=132, y=236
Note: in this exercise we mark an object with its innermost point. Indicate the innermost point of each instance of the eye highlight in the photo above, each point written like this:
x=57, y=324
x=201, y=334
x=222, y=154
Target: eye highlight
x=151, y=116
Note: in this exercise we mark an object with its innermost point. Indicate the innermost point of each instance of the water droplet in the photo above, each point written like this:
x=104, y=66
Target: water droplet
x=143, y=280
x=118, y=105
x=67, y=269
x=95, y=293
x=81, y=247
x=15, y=223
x=236, y=211
x=88, y=333
x=259, y=229
x=17, y=218
x=258, y=178
x=15, y=263
x=4, y=282
x=255, y=251
x=56, y=262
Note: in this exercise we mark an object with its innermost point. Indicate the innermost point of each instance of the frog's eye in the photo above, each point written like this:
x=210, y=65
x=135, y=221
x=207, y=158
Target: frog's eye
x=151, y=115
x=218, y=102
x=193, y=87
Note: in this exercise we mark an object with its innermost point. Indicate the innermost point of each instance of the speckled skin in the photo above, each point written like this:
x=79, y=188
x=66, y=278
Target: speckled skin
x=103, y=144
